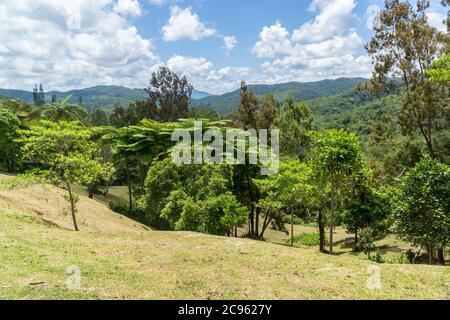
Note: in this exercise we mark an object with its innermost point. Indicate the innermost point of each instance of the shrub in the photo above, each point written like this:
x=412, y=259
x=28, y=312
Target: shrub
x=366, y=242
x=307, y=239
x=139, y=216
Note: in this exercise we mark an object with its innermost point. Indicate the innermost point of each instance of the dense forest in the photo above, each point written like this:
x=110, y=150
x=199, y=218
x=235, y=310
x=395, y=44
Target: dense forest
x=372, y=156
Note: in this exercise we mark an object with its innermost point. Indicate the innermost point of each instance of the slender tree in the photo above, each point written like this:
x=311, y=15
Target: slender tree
x=405, y=46
x=66, y=151
x=336, y=155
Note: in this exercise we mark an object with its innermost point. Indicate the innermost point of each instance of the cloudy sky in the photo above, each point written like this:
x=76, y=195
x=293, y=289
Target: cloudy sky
x=69, y=44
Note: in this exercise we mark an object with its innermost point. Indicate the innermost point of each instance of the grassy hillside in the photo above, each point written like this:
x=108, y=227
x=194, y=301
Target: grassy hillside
x=48, y=203
x=227, y=103
x=139, y=264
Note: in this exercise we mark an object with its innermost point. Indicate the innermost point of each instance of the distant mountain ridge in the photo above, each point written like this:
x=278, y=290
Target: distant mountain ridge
x=108, y=97
x=228, y=102
x=99, y=97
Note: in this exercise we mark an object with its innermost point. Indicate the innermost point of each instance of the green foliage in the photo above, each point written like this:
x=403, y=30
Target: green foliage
x=39, y=95
x=270, y=107
x=218, y=215
x=66, y=155
x=139, y=216
x=366, y=207
x=422, y=211
x=227, y=103
x=203, y=113
x=20, y=109
x=99, y=118
x=337, y=154
x=247, y=115
x=9, y=126
x=352, y=110
x=366, y=242
x=286, y=192
x=441, y=70
x=405, y=45
x=295, y=123
x=61, y=111
x=170, y=93
x=194, y=198
x=307, y=239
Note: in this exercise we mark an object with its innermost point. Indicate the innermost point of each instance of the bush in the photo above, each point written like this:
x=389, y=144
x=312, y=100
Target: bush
x=307, y=239
x=139, y=216
x=366, y=242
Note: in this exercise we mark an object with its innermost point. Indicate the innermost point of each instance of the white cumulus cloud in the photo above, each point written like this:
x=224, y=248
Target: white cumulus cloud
x=185, y=24
x=71, y=44
x=323, y=48
x=333, y=18
x=230, y=43
x=128, y=7
x=205, y=76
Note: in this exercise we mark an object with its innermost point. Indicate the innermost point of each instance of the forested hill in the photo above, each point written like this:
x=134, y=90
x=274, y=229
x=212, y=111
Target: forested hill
x=108, y=97
x=228, y=102
x=352, y=110
x=100, y=97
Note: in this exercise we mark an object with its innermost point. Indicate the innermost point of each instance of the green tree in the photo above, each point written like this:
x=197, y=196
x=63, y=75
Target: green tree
x=422, y=210
x=193, y=197
x=288, y=191
x=365, y=207
x=295, y=123
x=124, y=117
x=99, y=118
x=246, y=116
x=171, y=93
x=203, y=113
x=269, y=111
x=19, y=108
x=405, y=46
x=65, y=152
x=336, y=156
x=9, y=126
x=39, y=95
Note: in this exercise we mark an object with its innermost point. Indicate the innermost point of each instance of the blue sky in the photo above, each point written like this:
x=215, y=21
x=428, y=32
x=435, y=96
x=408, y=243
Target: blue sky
x=70, y=44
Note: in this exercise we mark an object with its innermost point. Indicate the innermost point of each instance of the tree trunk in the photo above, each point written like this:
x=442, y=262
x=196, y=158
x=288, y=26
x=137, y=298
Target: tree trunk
x=252, y=208
x=13, y=158
x=257, y=222
x=91, y=192
x=356, y=237
x=72, y=207
x=142, y=176
x=252, y=221
x=292, y=228
x=430, y=252
x=441, y=256
x=321, y=231
x=130, y=197
x=332, y=213
x=266, y=224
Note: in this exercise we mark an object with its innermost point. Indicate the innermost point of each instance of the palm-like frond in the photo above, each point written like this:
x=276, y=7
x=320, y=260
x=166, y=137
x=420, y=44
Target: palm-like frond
x=62, y=110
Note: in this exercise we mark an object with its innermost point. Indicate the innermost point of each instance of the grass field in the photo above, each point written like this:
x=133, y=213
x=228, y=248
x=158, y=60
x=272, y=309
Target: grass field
x=137, y=264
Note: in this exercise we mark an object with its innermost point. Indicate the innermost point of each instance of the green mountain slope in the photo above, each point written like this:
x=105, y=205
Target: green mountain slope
x=351, y=110
x=228, y=102
x=100, y=97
